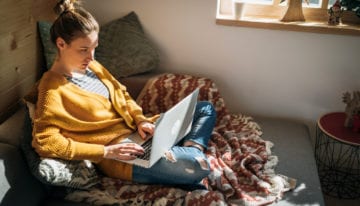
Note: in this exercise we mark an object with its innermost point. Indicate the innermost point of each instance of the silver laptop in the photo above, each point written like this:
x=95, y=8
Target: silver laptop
x=170, y=128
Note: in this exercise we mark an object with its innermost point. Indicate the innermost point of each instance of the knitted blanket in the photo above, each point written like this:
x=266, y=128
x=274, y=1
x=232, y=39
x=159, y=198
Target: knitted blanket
x=242, y=166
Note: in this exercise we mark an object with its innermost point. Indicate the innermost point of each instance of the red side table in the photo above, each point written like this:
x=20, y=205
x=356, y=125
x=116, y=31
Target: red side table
x=337, y=154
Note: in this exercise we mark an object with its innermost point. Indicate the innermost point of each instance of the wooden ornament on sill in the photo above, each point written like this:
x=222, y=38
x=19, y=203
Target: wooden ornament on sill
x=352, y=107
x=335, y=13
x=294, y=12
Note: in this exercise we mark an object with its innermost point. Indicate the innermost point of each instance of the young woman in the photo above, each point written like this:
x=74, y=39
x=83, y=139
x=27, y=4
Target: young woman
x=83, y=112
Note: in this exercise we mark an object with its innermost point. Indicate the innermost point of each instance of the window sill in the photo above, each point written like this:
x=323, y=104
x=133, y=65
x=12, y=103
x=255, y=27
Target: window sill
x=307, y=26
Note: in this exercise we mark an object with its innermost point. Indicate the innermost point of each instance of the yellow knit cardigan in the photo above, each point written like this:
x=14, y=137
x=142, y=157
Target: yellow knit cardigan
x=71, y=123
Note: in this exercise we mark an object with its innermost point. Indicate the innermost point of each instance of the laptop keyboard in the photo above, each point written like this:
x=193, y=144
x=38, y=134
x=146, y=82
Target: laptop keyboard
x=147, y=147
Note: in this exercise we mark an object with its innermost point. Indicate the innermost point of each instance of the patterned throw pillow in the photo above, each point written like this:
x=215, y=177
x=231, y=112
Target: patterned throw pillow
x=49, y=48
x=56, y=172
x=124, y=49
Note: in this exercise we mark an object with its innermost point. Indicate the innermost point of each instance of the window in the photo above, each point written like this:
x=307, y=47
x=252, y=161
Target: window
x=268, y=13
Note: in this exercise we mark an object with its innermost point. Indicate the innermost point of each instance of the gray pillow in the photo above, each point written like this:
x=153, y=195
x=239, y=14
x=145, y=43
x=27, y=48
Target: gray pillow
x=49, y=49
x=124, y=49
x=57, y=172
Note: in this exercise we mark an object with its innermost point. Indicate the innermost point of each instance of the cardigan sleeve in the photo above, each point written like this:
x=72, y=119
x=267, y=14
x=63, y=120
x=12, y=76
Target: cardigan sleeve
x=47, y=138
x=48, y=142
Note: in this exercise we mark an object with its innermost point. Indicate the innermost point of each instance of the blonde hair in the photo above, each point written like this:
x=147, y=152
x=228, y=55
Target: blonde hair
x=73, y=22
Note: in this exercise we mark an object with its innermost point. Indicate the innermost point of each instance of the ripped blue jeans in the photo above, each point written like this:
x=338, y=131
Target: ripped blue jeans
x=183, y=165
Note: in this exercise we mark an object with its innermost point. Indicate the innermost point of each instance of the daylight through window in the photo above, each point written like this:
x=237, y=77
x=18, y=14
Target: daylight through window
x=270, y=14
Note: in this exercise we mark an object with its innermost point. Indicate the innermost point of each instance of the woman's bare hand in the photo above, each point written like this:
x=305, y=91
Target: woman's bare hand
x=123, y=151
x=146, y=129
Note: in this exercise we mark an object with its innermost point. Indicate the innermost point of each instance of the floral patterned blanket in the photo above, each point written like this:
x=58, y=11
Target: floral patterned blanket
x=242, y=166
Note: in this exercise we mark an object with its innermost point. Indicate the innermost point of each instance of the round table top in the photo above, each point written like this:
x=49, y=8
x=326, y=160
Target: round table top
x=333, y=125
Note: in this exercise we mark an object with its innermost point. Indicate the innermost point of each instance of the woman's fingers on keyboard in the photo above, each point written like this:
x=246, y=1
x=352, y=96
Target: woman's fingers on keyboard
x=124, y=151
x=133, y=148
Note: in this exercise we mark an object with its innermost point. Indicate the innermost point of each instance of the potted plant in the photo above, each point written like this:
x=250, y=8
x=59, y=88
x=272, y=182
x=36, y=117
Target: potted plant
x=351, y=5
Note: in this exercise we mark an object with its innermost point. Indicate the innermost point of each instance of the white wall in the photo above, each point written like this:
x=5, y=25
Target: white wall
x=259, y=72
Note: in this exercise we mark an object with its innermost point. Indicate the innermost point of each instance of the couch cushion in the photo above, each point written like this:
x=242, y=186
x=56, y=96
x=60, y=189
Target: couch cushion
x=10, y=130
x=49, y=49
x=17, y=185
x=292, y=145
x=135, y=84
x=124, y=48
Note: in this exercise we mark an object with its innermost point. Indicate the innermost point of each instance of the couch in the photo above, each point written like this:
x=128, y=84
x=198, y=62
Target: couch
x=18, y=185
x=292, y=146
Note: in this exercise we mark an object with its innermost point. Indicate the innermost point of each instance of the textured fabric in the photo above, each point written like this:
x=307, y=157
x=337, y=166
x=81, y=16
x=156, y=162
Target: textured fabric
x=241, y=163
x=49, y=48
x=84, y=123
x=124, y=49
x=75, y=174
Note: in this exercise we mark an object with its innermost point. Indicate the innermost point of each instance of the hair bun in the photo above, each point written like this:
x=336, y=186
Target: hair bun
x=64, y=6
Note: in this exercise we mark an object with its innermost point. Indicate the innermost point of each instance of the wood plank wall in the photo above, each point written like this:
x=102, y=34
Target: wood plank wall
x=20, y=49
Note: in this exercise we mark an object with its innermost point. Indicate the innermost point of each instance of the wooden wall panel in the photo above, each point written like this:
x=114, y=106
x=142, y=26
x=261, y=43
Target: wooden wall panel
x=20, y=50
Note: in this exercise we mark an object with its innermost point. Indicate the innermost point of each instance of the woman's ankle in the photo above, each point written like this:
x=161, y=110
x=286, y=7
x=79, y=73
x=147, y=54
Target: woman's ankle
x=193, y=144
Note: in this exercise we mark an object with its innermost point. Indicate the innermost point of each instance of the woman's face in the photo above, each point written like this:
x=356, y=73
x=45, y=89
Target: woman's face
x=79, y=53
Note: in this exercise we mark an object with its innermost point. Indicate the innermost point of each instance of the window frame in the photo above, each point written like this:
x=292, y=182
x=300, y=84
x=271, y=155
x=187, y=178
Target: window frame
x=269, y=16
